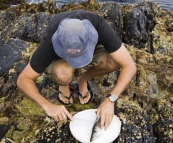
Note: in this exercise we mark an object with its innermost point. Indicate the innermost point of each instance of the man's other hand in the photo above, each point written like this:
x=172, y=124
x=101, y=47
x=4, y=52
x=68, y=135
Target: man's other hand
x=106, y=112
x=58, y=112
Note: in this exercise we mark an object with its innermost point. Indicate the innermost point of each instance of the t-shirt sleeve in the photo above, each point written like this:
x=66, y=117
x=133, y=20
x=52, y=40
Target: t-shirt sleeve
x=108, y=37
x=43, y=55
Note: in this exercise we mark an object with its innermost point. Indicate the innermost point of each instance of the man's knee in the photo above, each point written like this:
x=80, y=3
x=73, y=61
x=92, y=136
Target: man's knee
x=62, y=73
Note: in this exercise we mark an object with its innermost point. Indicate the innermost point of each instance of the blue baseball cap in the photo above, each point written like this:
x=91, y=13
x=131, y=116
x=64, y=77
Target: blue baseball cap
x=75, y=41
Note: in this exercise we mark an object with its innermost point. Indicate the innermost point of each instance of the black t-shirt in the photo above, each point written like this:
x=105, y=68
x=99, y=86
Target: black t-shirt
x=45, y=54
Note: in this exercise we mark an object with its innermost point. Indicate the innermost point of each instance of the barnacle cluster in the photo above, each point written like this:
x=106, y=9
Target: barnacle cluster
x=145, y=107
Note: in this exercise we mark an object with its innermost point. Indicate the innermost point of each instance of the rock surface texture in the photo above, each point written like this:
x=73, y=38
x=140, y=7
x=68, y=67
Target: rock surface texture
x=145, y=107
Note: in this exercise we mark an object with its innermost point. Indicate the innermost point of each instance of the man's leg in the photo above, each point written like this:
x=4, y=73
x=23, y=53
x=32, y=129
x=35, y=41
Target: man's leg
x=105, y=66
x=62, y=74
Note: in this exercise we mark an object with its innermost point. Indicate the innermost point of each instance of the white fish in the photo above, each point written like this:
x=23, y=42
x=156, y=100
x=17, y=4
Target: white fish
x=96, y=130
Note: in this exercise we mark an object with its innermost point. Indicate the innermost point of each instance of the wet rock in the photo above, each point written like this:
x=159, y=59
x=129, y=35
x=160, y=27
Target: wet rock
x=10, y=53
x=148, y=9
x=135, y=28
x=27, y=27
x=145, y=107
x=162, y=41
x=90, y=5
x=136, y=126
x=112, y=15
x=3, y=131
x=23, y=7
x=6, y=18
x=1, y=83
x=163, y=128
x=138, y=23
x=52, y=132
x=4, y=4
x=4, y=127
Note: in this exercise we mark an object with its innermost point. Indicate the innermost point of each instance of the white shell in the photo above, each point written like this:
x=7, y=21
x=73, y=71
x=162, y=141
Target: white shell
x=82, y=123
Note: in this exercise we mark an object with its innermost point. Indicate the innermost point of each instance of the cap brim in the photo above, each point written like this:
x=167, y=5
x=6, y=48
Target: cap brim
x=82, y=60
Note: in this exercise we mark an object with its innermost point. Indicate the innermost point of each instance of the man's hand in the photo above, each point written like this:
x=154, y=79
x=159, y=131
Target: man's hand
x=26, y=83
x=58, y=112
x=106, y=112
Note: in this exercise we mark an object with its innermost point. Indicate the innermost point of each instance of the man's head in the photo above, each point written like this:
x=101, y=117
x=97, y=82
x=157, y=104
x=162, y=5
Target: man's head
x=75, y=41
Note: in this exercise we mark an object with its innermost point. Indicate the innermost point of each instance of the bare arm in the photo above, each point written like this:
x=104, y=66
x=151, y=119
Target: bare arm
x=26, y=83
x=128, y=70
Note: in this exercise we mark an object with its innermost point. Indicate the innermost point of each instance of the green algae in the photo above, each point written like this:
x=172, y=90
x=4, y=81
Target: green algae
x=80, y=107
x=9, y=134
x=24, y=124
x=153, y=81
x=76, y=107
x=28, y=108
x=126, y=102
x=2, y=100
x=3, y=120
x=17, y=136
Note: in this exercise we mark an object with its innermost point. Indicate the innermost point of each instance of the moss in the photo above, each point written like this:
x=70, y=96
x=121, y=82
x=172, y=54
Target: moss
x=2, y=100
x=141, y=79
x=28, y=108
x=4, y=120
x=9, y=134
x=80, y=107
x=17, y=136
x=24, y=124
x=154, y=117
x=125, y=102
x=76, y=107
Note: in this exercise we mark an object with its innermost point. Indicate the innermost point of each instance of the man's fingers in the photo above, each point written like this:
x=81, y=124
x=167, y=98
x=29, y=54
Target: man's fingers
x=60, y=117
x=108, y=121
x=56, y=118
x=60, y=114
x=98, y=113
x=103, y=121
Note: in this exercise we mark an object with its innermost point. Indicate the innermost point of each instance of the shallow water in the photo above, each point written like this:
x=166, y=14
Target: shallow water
x=165, y=4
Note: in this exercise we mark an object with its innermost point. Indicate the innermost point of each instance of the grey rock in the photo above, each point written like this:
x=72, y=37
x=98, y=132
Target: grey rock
x=10, y=53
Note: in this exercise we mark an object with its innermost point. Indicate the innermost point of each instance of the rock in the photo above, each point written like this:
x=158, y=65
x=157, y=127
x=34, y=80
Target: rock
x=138, y=23
x=136, y=126
x=162, y=41
x=112, y=15
x=6, y=18
x=135, y=28
x=27, y=27
x=4, y=127
x=163, y=127
x=145, y=107
x=4, y=4
x=10, y=53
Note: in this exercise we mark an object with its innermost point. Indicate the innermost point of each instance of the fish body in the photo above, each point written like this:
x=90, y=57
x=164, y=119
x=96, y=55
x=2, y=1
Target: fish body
x=96, y=130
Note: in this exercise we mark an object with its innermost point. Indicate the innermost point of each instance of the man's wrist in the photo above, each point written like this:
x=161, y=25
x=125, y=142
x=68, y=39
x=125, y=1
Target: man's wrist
x=112, y=97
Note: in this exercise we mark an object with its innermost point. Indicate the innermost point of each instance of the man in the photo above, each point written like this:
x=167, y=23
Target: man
x=69, y=43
